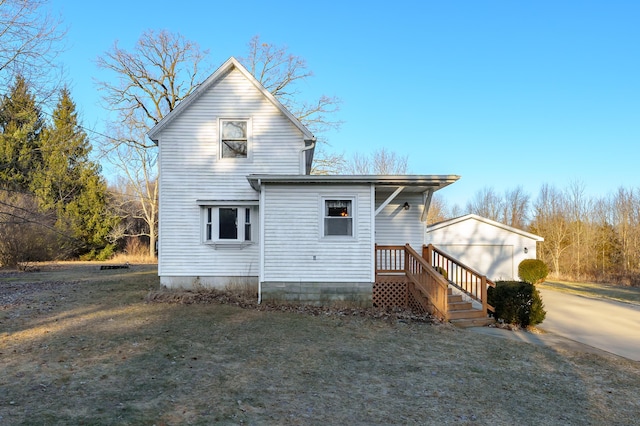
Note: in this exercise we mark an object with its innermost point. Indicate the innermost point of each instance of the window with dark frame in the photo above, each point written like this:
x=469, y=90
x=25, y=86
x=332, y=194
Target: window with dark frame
x=338, y=218
x=234, y=138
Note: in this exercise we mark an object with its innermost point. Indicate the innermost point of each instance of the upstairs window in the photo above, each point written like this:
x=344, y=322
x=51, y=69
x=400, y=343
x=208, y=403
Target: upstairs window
x=234, y=138
x=338, y=217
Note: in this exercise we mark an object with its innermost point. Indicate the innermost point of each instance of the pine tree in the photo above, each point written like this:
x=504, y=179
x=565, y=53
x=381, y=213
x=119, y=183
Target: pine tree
x=70, y=183
x=21, y=126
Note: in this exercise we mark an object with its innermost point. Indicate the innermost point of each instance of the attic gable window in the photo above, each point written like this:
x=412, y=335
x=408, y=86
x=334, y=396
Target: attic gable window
x=234, y=138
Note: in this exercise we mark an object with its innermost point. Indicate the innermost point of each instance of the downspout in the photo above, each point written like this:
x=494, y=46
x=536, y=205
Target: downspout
x=261, y=244
x=303, y=161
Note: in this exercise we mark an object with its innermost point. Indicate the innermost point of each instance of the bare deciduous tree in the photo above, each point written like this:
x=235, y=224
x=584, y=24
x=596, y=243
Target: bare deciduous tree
x=486, y=203
x=30, y=42
x=279, y=72
x=437, y=210
x=551, y=223
x=381, y=162
x=161, y=70
x=516, y=207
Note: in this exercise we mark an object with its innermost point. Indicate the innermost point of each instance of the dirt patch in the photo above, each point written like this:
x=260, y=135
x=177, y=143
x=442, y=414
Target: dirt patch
x=103, y=354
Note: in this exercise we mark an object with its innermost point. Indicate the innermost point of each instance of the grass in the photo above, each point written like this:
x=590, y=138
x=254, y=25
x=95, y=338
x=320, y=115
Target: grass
x=81, y=346
x=594, y=290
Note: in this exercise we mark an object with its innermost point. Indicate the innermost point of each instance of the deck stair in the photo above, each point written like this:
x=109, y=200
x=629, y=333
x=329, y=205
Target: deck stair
x=432, y=282
x=463, y=314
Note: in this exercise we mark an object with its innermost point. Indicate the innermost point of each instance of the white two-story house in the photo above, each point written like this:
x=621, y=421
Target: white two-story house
x=238, y=205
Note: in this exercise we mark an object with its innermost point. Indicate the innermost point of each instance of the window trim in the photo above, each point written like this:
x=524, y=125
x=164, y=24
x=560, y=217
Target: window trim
x=354, y=208
x=210, y=224
x=249, y=155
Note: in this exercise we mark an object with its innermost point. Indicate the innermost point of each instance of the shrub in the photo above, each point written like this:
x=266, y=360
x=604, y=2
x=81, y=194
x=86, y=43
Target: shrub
x=441, y=271
x=517, y=302
x=533, y=271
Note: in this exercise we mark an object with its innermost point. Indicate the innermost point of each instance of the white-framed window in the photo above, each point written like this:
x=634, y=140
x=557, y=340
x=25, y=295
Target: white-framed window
x=235, y=138
x=228, y=224
x=338, y=220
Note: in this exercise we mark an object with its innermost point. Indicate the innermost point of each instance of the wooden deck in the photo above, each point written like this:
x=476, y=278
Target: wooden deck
x=424, y=283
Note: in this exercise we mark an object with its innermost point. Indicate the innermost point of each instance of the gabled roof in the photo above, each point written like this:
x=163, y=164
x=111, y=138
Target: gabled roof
x=219, y=74
x=459, y=219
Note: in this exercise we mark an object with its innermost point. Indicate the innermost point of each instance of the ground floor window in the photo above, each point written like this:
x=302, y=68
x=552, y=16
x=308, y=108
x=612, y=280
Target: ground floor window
x=227, y=224
x=338, y=217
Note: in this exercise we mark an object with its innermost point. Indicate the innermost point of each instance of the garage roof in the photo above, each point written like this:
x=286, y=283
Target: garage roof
x=459, y=219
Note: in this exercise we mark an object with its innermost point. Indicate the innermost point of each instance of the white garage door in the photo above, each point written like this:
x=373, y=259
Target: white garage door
x=494, y=261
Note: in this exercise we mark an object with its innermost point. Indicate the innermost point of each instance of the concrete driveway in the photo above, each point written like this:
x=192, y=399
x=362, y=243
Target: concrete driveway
x=611, y=326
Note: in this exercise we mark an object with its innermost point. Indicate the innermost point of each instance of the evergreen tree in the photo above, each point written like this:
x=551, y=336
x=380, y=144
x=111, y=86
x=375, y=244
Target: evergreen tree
x=70, y=183
x=21, y=126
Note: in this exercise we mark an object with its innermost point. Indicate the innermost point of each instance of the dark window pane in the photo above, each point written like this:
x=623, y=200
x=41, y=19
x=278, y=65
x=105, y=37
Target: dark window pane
x=338, y=226
x=228, y=224
x=247, y=224
x=338, y=208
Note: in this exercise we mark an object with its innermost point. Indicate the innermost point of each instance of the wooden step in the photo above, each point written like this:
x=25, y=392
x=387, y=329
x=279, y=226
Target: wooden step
x=456, y=298
x=459, y=306
x=467, y=314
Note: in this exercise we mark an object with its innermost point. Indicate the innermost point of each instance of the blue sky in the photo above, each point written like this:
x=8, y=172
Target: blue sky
x=503, y=93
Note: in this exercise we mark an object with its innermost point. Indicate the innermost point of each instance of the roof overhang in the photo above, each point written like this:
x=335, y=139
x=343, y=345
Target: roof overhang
x=412, y=183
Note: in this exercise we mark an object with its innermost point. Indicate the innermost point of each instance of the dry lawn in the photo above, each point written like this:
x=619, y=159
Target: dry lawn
x=81, y=346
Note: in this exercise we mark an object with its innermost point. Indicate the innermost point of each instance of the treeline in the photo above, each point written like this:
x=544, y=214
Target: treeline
x=53, y=200
x=585, y=238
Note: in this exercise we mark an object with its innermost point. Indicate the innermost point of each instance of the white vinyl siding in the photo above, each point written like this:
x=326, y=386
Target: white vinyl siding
x=295, y=250
x=397, y=226
x=491, y=249
x=191, y=170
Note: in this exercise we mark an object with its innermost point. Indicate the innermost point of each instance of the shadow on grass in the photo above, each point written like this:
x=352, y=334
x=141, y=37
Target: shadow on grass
x=106, y=357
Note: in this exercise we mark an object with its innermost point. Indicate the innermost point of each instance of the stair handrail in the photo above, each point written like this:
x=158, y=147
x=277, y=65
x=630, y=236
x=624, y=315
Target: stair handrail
x=429, y=281
x=466, y=279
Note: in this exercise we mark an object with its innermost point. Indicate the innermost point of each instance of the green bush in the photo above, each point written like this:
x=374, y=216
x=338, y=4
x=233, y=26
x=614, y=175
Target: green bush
x=441, y=271
x=533, y=271
x=517, y=302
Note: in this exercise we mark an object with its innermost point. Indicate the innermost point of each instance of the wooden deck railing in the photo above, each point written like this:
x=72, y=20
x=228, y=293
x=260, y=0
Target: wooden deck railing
x=466, y=279
x=422, y=272
x=406, y=261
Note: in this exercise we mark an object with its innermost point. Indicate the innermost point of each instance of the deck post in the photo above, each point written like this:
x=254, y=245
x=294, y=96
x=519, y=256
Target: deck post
x=427, y=253
x=483, y=290
x=375, y=260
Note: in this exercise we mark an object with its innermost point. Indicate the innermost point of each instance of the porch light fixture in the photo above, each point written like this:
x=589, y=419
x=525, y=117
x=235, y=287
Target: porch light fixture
x=406, y=205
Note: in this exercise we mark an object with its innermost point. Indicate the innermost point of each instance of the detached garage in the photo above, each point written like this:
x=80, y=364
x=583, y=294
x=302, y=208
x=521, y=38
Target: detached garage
x=489, y=247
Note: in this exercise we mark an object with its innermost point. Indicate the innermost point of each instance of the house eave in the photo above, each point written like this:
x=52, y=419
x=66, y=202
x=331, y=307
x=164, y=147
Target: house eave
x=421, y=182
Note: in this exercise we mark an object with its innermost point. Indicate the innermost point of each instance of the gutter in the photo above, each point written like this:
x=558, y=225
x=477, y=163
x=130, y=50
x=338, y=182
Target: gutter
x=302, y=156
